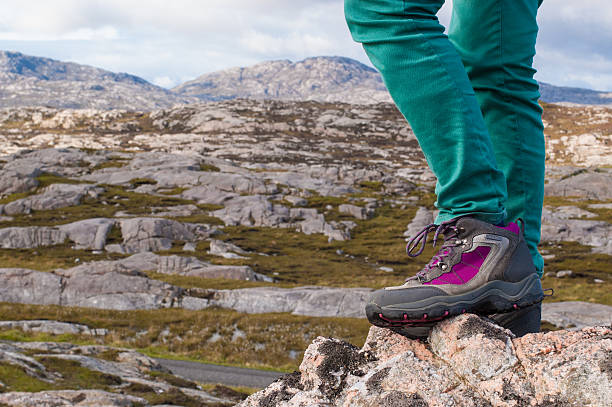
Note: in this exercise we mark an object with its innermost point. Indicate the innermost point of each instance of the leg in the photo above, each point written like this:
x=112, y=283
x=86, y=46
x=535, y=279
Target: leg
x=496, y=41
x=427, y=80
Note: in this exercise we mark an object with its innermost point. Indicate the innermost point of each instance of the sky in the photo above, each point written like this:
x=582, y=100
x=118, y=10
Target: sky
x=171, y=41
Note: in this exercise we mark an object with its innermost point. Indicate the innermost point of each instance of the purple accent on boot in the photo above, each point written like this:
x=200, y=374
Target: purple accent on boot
x=512, y=227
x=465, y=270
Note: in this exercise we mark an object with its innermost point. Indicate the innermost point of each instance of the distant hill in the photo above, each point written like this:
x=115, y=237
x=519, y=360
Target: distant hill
x=318, y=78
x=35, y=81
x=557, y=94
x=330, y=79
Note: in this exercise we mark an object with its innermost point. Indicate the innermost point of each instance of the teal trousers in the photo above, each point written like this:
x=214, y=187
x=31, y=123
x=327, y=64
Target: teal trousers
x=470, y=98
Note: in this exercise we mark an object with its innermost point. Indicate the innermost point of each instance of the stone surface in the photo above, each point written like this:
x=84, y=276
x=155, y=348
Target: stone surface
x=469, y=362
x=54, y=196
x=559, y=226
x=576, y=314
x=585, y=184
x=150, y=234
x=422, y=218
x=314, y=301
x=31, y=236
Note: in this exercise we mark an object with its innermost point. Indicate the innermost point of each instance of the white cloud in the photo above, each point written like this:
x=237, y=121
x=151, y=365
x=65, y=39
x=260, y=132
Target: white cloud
x=186, y=38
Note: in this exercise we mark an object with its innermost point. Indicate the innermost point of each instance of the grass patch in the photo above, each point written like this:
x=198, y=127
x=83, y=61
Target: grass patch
x=116, y=162
x=52, y=257
x=74, y=376
x=16, y=379
x=266, y=340
x=189, y=282
x=603, y=214
x=136, y=182
x=173, y=191
x=586, y=267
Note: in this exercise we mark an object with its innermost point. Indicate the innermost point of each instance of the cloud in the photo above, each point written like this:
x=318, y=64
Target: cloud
x=186, y=38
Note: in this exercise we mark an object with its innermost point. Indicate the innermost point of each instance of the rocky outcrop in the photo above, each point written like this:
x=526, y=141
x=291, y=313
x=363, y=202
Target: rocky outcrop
x=150, y=234
x=119, y=290
x=55, y=196
x=313, y=301
x=468, y=362
x=584, y=184
x=563, y=224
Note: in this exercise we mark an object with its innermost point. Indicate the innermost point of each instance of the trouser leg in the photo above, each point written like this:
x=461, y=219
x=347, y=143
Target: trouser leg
x=496, y=41
x=428, y=82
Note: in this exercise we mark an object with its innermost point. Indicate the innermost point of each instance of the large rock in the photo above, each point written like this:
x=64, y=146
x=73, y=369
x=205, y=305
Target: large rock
x=558, y=225
x=469, y=362
x=576, y=314
x=193, y=267
x=88, y=233
x=314, y=301
x=87, y=287
x=53, y=197
x=31, y=236
x=422, y=218
x=14, y=181
x=30, y=287
x=585, y=184
x=150, y=234
x=116, y=290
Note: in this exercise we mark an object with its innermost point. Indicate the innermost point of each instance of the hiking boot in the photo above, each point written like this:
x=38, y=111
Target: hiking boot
x=481, y=269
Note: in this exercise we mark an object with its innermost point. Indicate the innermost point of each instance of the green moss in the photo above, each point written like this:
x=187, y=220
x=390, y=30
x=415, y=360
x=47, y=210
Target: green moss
x=16, y=335
x=116, y=162
x=209, y=168
x=173, y=191
x=371, y=186
x=74, y=376
x=174, y=380
x=16, y=379
x=49, y=258
x=188, y=282
x=136, y=182
x=586, y=267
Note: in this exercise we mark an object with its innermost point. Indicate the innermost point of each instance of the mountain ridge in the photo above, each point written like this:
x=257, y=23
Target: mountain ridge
x=27, y=80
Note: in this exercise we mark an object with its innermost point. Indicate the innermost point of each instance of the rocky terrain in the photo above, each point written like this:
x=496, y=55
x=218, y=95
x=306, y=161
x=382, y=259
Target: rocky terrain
x=36, y=81
x=238, y=231
x=467, y=362
x=64, y=374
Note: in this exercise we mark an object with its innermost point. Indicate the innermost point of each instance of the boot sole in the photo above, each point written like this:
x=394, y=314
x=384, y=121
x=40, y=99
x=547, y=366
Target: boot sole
x=494, y=297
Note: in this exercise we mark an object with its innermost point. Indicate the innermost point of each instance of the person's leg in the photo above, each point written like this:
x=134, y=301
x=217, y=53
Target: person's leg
x=496, y=41
x=427, y=80
x=480, y=268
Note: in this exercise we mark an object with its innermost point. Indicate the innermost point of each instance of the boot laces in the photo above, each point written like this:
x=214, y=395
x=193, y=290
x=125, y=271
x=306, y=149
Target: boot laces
x=451, y=234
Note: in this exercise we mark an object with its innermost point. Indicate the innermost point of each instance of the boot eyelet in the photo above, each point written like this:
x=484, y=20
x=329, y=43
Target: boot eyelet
x=443, y=266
